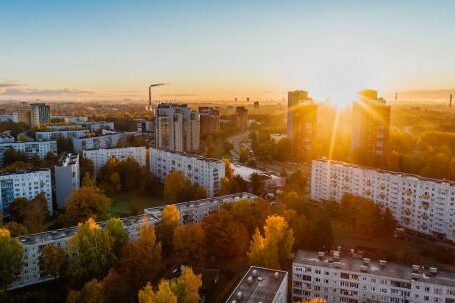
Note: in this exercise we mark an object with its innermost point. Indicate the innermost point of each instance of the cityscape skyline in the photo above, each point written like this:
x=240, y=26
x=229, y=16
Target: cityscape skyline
x=213, y=51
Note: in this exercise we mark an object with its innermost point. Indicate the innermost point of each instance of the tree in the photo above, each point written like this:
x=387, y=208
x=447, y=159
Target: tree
x=314, y=300
x=87, y=202
x=163, y=294
x=322, y=234
x=175, y=187
x=91, y=249
x=11, y=155
x=388, y=223
x=300, y=227
x=228, y=170
x=169, y=221
x=283, y=150
x=244, y=154
x=11, y=256
x=86, y=166
x=226, y=237
x=273, y=248
x=118, y=234
x=190, y=244
x=186, y=286
x=296, y=182
x=16, y=229
x=256, y=183
x=53, y=259
x=91, y=292
x=32, y=214
x=251, y=214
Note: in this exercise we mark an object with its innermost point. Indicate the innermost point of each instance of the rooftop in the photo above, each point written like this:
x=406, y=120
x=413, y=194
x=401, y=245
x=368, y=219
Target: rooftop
x=67, y=159
x=25, y=171
x=386, y=269
x=388, y=172
x=198, y=157
x=258, y=285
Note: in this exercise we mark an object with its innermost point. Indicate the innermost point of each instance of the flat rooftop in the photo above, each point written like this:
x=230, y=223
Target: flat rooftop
x=195, y=156
x=258, y=285
x=390, y=270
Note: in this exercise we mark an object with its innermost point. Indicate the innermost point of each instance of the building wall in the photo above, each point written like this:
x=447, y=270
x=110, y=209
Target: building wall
x=41, y=114
x=241, y=117
x=96, y=142
x=65, y=134
x=25, y=184
x=30, y=148
x=204, y=171
x=67, y=178
x=418, y=203
x=100, y=156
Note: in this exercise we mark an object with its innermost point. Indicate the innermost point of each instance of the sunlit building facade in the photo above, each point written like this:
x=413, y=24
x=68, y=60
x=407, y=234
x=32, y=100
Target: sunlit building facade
x=417, y=203
x=99, y=157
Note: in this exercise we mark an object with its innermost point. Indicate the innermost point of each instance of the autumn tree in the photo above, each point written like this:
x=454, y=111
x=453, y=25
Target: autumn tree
x=91, y=292
x=251, y=214
x=175, y=186
x=87, y=202
x=115, y=228
x=11, y=256
x=190, y=244
x=256, y=183
x=300, y=227
x=169, y=221
x=86, y=166
x=228, y=170
x=53, y=259
x=314, y=300
x=15, y=229
x=244, y=154
x=91, y=249
x=272, y=248
x=163, y=294
x=186, y=286
x=32, y=214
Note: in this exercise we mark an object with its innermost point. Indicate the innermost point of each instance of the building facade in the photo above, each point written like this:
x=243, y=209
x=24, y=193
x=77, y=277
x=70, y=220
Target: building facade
x=177, y=128
x=31, y=149
x=207, y=172
x=370, y=129
x=24, y=115
x=71, y=119
x=25, y=184
x=40, y=114
x=417, y=203
x=94, y=126
x=96, y=142
x=260, y=284
x=241, y=118
x=67, y=177
x=359, y=280
x=64, y=134
x=209, y=120
x=302, y=125
x=100, y=156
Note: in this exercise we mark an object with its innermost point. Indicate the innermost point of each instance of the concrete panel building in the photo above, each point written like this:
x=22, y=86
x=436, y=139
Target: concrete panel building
x=67, y=177
x=100, y=156
x=64, y=134
x=96, y=142
x=40, y=114
x=31, y=148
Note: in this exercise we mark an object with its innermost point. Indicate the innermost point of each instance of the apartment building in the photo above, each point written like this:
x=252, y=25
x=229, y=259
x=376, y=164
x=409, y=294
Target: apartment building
x=96, y=125
x=195, y=211
x=177, y=128
x=351, y=279
x=209, y=120
x=71, y=119
x=67, y=177
x=100, y=156
x=421, y=204
x=33, y=244
x=25, y=184
x=6, y=138
x=207, y=172
x=241, y=117
x=108, y=140
x=40, y=114
x=260, y=284
x=64, y=134
x=31, y=148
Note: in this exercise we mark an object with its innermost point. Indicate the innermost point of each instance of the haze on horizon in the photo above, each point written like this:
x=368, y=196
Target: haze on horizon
x=212, y=50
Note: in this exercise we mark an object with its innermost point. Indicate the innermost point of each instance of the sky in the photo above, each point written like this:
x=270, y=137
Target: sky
x=218, y=50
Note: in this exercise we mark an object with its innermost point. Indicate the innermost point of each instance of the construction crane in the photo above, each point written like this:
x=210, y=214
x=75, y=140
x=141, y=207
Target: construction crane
x=149, y=108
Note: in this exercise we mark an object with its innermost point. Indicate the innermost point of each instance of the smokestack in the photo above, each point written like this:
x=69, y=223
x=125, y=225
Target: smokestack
x=396, y=96
x=450, y=104
x=150, y=91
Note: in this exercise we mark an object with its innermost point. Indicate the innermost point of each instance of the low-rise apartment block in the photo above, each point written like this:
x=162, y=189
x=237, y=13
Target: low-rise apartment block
x=100, y=156
x=31, y=149
x=337, y=278
x=96, y=142
x=67, y=177
x=56, y=134
x=421, y=204
x=207, y=172
x=25, y=184
x=261, y=284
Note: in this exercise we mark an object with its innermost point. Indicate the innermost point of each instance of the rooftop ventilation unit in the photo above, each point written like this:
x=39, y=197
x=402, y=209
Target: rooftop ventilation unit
x=250, y=279
x=239, y=295
x=321, y=255
x=337, y=264
x=276, y=275
x=255, y=272
x=415, y=276
x=382, y=263
x=433, y=271
x=415, y=268
x=366, y=261
x=363, y=268
x=336, y=255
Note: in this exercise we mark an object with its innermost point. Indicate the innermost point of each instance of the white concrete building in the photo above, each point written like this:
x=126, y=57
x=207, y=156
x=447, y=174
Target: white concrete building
x=356, y=280
x=177, y=128
x=96, y=125
x=30, y=148
x=64, y=134
x=41, y=114
x=207, y=172
x=96, y=142
x=71, y=119
x=11, y=117
x=67, y=177
x=195, y=211
x=33, y=244
x=25, y=184
x=260, y=284
x=421, y=204
x=100, y=156
x=5, y=138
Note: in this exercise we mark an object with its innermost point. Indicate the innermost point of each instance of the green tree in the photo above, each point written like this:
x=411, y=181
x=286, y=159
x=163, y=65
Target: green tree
x=11, y=256
x=186, y=286
x=53, y=259
x=87, y=202
x=91, y=249
x=11, y=155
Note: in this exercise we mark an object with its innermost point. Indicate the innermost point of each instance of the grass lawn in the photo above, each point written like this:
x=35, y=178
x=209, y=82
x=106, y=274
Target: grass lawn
x=127, y=204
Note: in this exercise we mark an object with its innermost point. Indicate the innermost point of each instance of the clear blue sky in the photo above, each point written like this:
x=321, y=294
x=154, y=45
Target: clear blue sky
x=221, y=49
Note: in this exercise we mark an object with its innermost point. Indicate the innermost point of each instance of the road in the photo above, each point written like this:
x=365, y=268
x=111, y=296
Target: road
x=236, y=141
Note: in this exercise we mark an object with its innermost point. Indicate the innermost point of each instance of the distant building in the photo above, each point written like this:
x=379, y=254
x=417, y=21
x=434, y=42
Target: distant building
x=67, y=177
x=96, y=125
x=12, y=117
x=277, y=137
x=370, y=129
x=269, y=181
x=71, y=119
x=41, y=114
x=209, y=120
x=24, y=115
x=96, y=142
x=31, y=149
x=57, y=134
x=25, y=184
x=207, y=172
x=301, y=125
x=100, y=156
x=336, y=278
x=145, y=126
x=256, y=104
x=261, y=284
x=417, y=203
x=6, y=138
x=177, y=128
x=241, y=117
